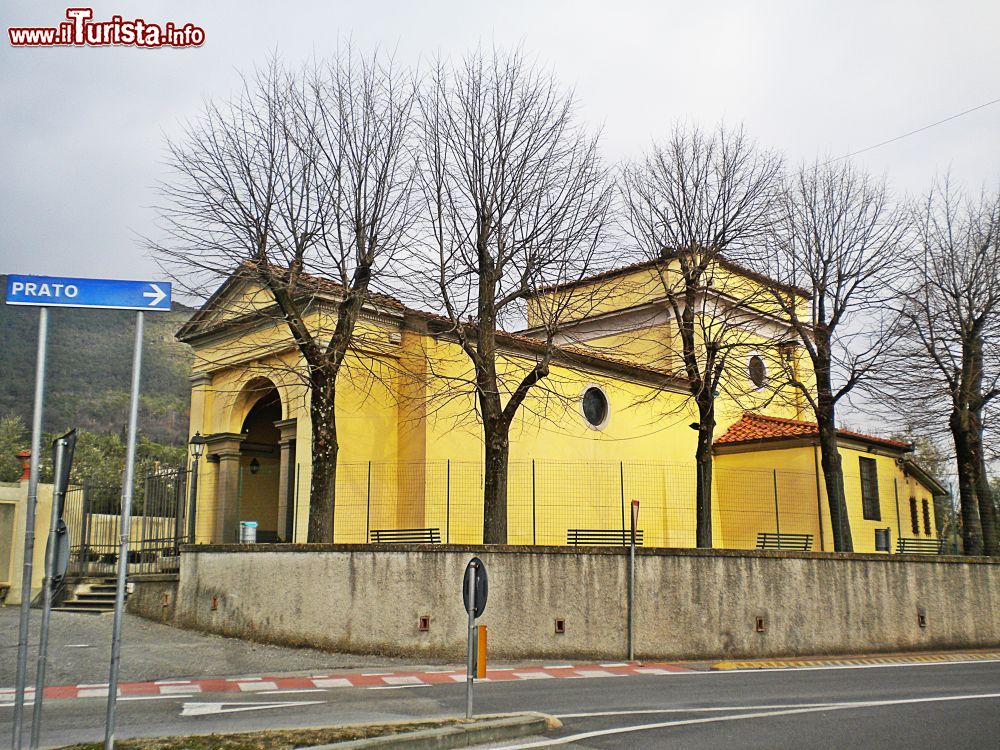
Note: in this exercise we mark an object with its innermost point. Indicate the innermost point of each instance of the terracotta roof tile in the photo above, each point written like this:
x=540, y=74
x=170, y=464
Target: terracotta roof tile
x=753, y=427
x=613, y=273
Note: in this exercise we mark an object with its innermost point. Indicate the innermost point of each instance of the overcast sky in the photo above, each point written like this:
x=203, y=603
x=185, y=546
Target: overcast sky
x=82, y=129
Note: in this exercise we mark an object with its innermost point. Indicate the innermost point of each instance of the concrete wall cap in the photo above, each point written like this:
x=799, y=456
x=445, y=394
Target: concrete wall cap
x=509, y=549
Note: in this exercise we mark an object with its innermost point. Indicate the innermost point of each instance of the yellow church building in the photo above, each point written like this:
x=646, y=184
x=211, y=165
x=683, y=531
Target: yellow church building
x=610, y=424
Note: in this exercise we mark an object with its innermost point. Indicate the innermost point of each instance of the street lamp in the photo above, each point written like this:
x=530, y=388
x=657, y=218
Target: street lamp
x=254, y=466
x=197, y=445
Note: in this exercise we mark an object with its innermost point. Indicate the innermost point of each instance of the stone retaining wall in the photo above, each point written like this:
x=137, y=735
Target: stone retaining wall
x=689, y=603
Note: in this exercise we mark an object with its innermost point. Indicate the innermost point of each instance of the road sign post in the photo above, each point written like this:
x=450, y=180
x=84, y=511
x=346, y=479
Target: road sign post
x=124, y=527
x=631, y=582
x=475, y=591
x=29, y=530
x=107, y=294
x=56, y=558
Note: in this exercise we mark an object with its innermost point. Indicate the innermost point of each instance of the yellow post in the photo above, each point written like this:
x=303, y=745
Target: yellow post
x=481, y=651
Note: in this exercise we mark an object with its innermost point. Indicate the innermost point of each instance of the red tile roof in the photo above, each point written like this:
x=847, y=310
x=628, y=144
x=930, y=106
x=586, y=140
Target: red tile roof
x=754, y=427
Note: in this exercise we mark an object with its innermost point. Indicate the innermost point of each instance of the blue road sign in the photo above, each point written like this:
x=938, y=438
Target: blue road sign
x=112, y=294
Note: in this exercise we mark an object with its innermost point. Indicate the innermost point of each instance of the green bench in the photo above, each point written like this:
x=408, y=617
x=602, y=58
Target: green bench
x=773, y=540
x=606, y=537
x=406, y=536
x=916, y=545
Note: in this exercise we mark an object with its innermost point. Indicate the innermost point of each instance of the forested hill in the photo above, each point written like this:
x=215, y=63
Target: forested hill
x=89, y=369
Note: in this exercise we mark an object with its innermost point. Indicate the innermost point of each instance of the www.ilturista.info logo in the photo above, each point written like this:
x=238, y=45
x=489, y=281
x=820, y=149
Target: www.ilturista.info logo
x=81, y=31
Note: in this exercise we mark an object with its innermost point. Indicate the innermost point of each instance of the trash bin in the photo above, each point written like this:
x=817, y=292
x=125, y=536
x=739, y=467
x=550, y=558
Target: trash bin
x=248, y=532
x=882, y=540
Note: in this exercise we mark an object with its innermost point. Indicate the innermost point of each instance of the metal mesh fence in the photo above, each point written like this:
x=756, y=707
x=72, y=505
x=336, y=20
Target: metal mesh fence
x=547, y=500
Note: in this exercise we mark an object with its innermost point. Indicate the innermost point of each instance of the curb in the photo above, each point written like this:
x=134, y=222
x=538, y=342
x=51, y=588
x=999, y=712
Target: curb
x=476, y=732
x=198, y=686
x=915, y=659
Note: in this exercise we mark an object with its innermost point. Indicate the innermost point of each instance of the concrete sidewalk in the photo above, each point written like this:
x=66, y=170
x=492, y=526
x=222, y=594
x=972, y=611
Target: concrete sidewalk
x=80, y=652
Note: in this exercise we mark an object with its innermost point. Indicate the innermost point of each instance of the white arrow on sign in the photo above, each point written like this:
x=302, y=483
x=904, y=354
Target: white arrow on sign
x=203, y=709
x=158, y=295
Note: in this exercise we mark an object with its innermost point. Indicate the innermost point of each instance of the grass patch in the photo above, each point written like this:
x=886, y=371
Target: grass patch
x=270, y=739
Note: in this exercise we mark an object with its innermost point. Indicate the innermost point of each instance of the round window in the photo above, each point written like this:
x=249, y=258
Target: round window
x=595, y=406
x=757, y=370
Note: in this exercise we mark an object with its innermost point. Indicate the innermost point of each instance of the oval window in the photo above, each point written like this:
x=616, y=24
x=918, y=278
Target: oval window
x=595, y=406
x=757, y=370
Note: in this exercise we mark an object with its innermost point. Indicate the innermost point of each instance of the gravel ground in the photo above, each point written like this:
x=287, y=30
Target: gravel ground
x=80, y=652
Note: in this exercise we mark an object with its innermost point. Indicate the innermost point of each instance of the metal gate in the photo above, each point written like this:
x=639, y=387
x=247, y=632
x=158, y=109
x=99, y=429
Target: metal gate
x=93, y=517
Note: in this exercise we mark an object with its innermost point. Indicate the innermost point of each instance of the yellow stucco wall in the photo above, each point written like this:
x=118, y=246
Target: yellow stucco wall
x=412, y=450
x=15, y=495
x=745, y=496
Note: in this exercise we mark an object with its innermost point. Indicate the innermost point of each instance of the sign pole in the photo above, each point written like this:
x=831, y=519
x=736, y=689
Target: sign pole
x=631, y=583
x=60, y=471
x=471, y=666
x=475, y=591
x=116, y=633
x=29, y=528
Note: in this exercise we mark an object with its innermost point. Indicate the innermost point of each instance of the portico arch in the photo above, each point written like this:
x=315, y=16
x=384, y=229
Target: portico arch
x=255, y=458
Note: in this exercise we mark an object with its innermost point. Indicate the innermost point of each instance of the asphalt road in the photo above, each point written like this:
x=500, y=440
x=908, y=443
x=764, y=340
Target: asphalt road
x=899, y=706
x=80, y=652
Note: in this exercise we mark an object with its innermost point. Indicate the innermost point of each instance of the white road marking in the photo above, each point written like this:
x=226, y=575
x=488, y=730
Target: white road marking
x=615, y=664
x=253, y=687
x=95, y=693
x=825, y=667
x=177, y=689
x=642, y=711
x=652, y=670
x=597, y=673
x=331, y=682
x=204, y=709
x=293, y=690
x=152, y=697
x=738, y=717
x=397, y=687
x=402, y=680
x=558, y=666
x=533, y=676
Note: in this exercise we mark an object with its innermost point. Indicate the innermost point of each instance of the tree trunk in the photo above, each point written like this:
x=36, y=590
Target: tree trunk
x=323, y=489
x=972, y=531
x=495, y=484
x=703, y=464
x=826, y=423
x=987, y=511
x=833, y=478
x=984, y=496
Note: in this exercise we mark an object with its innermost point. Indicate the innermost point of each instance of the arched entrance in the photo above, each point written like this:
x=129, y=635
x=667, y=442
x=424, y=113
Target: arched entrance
x=260, y=465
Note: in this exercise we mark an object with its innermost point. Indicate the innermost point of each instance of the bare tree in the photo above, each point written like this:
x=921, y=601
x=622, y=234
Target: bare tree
x=840, y=237
x=516, y=200
x=948, y=363
x=694, y=203
x=301, y=184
